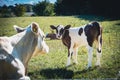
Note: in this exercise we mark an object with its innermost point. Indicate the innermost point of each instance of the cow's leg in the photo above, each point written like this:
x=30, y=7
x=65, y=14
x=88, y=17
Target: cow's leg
x=69, y=56
x=70, y=51
x=98, y=58
x=26, y=71
x=89, y=56
x=23, y=72
x=99, y=51
x=75, y=53
x=25, y=78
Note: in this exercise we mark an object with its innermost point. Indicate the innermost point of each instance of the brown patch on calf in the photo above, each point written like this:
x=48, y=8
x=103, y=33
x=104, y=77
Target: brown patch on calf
x=66, y=40
x=80, y=31
x=92, y=31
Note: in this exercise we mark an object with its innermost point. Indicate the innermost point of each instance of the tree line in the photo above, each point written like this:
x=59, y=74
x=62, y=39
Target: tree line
x=108, y=8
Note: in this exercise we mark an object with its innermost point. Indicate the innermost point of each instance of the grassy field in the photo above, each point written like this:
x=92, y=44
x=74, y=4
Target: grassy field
x=52, y=65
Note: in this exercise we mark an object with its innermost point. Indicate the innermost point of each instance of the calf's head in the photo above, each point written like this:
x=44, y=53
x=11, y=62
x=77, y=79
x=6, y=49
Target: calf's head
x=60, y=29
x=38, y=33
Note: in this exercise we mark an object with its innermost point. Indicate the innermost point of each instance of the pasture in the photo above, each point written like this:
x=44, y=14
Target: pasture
x=52, y=65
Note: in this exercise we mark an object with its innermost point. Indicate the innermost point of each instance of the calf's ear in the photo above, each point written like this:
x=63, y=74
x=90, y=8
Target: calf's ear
x=52, y=27
x=18, y=29
x=34, y=27
x=67, y=26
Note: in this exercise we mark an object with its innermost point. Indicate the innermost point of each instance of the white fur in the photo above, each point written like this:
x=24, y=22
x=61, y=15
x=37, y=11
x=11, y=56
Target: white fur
x=90, y=55
x=58, y=35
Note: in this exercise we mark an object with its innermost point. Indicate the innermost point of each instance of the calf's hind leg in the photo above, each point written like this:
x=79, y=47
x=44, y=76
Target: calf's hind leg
x=99, y=51
x=90, y=55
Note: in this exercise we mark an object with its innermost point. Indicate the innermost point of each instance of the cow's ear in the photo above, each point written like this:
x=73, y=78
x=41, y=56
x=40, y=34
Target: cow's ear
x=67, y=26
x=18, y=29
x=52, y=27
x=34, y=27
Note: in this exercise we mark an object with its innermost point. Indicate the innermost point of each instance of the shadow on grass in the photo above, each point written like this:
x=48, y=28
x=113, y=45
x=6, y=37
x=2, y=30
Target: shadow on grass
x=86, y=70
x=90, y=17
x=62, y=73
x=96, y=18
x=117, y=24
x=57, y=73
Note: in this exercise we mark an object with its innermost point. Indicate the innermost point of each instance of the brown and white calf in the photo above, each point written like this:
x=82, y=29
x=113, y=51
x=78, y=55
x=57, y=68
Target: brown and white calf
x=85, y=35
x=16, y=51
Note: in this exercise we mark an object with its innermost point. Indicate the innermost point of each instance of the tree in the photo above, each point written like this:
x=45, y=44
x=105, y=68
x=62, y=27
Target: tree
x=44, y=8
x=49, y=10
x=58, y=7
x=28, y=7
x=70, y=7
x=108, y=8
x=4, y=11
x=19, y=10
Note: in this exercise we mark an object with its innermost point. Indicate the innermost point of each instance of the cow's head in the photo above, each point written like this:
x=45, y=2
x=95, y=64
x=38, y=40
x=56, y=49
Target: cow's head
x=34, y=28
x=60, y=30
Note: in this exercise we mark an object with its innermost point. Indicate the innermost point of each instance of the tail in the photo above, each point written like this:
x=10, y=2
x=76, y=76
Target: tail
x=99, y=47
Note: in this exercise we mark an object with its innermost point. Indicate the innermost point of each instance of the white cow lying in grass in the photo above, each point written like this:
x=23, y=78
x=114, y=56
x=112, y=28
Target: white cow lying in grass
x=16, y=51
x=73, y=38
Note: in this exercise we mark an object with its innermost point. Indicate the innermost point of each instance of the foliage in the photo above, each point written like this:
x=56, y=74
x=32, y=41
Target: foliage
x=107, y=8
x=77, y=7
x=19, y=10
x=52, y=65
x=44, y=8
x=5, y=11
x=10, y=11
x=49, y=10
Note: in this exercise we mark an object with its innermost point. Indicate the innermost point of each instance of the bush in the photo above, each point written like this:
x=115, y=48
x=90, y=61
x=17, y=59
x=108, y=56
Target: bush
x=19, y=10
x=44, y=8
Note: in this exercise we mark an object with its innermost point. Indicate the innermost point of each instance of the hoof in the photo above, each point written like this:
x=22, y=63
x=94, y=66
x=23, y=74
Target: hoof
x=25, y=78
x=75, y=63
x=89, y=67
x=67, y=65
x=97, y=65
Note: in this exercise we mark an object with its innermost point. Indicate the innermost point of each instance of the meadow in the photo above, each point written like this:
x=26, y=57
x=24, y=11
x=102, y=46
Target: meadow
x=53, y=64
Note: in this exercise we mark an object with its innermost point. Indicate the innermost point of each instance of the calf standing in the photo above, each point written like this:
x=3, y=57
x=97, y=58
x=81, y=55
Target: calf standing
x=73, y=38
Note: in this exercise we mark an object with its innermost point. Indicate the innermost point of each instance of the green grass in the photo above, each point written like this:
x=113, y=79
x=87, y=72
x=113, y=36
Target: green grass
x=52, y=65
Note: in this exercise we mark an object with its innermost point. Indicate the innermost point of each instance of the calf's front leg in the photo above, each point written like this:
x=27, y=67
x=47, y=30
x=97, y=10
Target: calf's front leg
x=70, y=51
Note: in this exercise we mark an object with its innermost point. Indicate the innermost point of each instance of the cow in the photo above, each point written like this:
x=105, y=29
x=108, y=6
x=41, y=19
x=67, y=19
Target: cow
x=75, y=37
x=52, y=36
x=16, y=51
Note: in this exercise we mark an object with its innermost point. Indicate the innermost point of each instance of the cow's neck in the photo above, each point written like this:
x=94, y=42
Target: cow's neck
x=23, y=46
